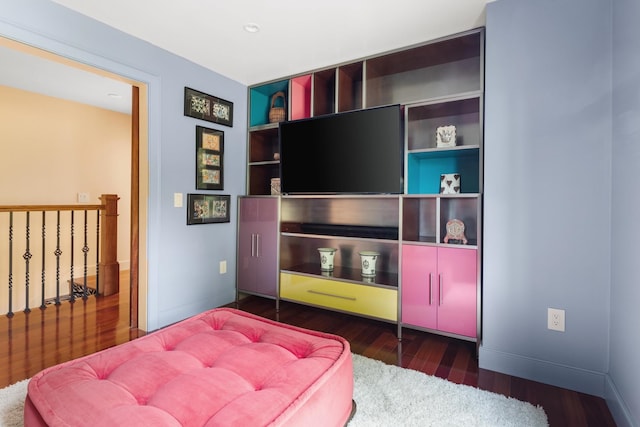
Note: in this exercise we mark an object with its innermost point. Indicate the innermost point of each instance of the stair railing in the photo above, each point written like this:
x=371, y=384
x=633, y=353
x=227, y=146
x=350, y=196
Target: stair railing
x=58, y=253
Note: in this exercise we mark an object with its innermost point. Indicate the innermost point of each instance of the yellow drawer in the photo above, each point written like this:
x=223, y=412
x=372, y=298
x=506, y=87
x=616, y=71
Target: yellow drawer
x=360, y=299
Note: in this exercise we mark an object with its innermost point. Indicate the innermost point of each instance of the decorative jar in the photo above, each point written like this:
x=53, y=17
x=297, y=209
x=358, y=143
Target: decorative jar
x=326, y=258
x=368, y=260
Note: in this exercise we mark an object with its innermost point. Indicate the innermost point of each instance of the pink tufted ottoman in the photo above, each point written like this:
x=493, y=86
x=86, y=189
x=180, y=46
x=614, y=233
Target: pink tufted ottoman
x=223, y=367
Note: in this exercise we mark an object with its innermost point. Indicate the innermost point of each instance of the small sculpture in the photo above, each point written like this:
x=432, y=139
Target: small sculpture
x=446, y=136
x=450, y=183
x=275, y=186
x=455, y=231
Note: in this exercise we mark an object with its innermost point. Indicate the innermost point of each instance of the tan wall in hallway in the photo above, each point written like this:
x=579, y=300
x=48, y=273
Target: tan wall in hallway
x=51, y=149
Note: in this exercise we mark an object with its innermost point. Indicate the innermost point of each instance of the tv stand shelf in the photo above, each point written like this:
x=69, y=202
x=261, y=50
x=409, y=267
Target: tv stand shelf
x=344, y=230
x=381, y=279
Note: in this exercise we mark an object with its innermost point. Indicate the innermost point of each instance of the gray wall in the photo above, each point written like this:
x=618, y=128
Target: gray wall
x=548, y=190
x=183, y=260
x=624, y=370
x=562, y=122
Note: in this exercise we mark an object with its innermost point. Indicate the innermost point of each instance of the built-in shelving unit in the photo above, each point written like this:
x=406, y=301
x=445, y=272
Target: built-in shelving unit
x=425, y=280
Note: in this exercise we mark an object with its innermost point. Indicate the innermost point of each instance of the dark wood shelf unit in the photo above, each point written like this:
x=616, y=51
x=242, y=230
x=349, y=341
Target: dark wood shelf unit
x=350, y=87
x=324, y=92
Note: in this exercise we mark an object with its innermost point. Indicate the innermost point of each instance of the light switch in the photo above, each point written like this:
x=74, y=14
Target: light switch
x=83, y=198
x=177, y=200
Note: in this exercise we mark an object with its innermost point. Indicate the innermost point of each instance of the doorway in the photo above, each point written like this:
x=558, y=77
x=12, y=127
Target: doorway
x=136, y=208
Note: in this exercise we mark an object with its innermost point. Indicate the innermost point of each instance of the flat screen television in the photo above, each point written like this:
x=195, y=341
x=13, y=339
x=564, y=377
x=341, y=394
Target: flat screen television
x=356, y=152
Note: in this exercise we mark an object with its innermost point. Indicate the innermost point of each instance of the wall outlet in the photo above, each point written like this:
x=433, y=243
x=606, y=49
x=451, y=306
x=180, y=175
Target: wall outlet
x=223, y=267
x=555, y=319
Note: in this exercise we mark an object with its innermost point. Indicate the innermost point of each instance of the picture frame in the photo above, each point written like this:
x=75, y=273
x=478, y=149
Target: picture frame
x=208, y=208
x=209, y=159
x=207, y=107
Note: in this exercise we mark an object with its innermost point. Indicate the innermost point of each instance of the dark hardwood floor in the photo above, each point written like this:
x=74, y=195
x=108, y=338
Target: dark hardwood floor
x=436, y=355
x=33, y=341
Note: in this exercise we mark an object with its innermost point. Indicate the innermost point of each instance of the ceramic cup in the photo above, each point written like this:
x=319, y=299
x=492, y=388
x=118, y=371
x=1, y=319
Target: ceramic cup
x=368, y=259
x=326, y=258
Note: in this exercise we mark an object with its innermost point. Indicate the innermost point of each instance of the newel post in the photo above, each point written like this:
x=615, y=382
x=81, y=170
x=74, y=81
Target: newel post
x=109, y=267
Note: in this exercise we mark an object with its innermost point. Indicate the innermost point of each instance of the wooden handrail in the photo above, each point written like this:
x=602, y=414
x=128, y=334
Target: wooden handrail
x=40, y=208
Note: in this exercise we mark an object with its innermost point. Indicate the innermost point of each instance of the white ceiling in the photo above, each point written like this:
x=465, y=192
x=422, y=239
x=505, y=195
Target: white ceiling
x=33, y=73
x=295, y=36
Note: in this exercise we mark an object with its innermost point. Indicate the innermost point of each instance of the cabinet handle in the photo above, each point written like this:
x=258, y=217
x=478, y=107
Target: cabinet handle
x=440, y=288
x=257, y=246
x=253, y=248
x=311, y=291
x=430, y=289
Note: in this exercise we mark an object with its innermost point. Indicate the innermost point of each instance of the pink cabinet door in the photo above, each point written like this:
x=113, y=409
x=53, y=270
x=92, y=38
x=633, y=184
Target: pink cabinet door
x=457, y=270
x=258, y=245
x=419, y=286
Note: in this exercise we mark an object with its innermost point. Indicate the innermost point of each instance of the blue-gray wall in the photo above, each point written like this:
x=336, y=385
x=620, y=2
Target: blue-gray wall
x=183, y=260
x=562, y=110
x=623, y=389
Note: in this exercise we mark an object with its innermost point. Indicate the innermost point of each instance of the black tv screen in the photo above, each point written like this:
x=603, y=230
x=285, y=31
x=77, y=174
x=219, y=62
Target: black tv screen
x=357, y=152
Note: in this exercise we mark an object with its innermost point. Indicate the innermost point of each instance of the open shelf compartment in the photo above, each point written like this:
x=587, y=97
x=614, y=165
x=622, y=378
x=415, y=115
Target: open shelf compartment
x=425, y=168
x=298, y=253
x=260, y=101
x=300, y=98
x=424, y=120
x=263, y=145
x=465, y=209
x=438, y=69
x=420, y=219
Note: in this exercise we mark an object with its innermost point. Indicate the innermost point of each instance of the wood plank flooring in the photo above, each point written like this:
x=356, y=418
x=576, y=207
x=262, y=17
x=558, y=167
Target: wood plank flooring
x=31, y=342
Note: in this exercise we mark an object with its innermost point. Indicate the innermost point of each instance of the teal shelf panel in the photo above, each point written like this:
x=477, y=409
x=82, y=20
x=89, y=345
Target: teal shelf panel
x=260, y=101
x=424, y=170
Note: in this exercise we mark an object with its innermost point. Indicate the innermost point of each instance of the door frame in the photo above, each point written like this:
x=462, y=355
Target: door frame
x=138, y=168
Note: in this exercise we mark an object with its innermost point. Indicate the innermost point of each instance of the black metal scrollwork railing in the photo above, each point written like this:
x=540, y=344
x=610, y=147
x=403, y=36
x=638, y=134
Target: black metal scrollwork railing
x=57, y=254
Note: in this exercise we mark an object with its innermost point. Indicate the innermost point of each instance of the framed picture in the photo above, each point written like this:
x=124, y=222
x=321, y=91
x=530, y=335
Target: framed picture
x=207, y=107
x=209, y=159
x=207, y=208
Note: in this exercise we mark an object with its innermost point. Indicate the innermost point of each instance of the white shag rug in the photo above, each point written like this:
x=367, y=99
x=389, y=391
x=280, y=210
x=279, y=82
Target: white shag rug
x=387, y=395
x=12, y=404
x=391, y=396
